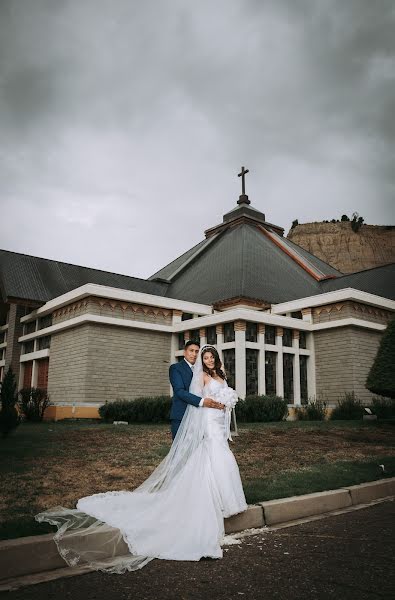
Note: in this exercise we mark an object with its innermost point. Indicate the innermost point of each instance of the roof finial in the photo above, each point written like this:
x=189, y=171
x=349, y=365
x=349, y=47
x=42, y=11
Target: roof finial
x=243, y=199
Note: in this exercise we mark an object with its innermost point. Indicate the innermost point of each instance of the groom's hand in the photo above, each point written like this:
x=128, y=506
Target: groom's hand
x=210, y=403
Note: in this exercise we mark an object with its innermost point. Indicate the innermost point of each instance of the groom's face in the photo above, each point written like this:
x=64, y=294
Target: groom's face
x=191, y=353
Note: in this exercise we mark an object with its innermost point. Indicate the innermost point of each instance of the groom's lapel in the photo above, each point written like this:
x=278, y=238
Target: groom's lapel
x=187, y=370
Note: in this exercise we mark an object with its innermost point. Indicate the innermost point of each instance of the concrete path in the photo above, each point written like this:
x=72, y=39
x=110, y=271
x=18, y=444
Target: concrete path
x=345, y=557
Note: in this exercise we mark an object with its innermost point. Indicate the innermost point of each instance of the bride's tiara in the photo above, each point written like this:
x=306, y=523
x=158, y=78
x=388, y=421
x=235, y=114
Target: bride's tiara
x=208, y=347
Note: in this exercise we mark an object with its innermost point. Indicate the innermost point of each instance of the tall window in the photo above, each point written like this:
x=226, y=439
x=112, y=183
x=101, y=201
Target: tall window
x=288, y=372
x=270, y=334
x=251, y=332
x=302, y=339
x=45, y=322
x=270, y=373
x=2, y=337
x=29, y=327
x=229, y=332
x=181, y=342
x=252, y=372
x=28, y=347
x=287, y=337
x=211, y=333
x=195, y=335
x=303, y=379
x=230, y=366
x=44, y=342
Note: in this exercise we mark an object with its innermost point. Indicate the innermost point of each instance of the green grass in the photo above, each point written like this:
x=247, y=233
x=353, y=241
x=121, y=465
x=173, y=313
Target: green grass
x=318, y=478
x=46, y=464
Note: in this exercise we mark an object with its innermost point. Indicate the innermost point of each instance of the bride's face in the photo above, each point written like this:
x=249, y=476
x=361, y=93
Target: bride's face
x=209, y=360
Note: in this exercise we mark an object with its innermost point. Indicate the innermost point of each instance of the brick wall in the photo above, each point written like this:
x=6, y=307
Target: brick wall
x=127, y=363
x=343, y=358
x=95, y=363
x=68, y=365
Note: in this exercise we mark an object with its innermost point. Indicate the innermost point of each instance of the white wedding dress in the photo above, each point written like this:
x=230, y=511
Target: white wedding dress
x=176, y=514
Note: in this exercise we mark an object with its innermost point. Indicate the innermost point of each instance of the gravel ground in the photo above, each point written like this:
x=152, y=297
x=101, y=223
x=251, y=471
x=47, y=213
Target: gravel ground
x=347, y=557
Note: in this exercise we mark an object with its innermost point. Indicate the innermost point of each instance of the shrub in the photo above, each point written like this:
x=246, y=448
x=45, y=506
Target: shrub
x=140, y=410
x=33, y=402
x=261, y=409
x=381, y=378
x=384, y=408
x=313, y=411
x=349, y=407
x=9, y=417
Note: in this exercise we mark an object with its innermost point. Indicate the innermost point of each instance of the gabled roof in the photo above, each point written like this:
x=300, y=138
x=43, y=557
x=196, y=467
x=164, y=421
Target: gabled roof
x=242, y=261
x=245, y=256
x=38, y=280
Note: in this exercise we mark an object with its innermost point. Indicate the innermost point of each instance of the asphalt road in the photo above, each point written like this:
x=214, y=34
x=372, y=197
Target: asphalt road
x=343, y=557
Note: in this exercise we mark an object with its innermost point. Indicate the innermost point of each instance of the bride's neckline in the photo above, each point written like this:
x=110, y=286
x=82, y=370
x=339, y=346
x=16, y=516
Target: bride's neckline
x=217, y=380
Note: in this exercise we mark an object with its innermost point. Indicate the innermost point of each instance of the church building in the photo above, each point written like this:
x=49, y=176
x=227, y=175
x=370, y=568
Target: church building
x=283, y=321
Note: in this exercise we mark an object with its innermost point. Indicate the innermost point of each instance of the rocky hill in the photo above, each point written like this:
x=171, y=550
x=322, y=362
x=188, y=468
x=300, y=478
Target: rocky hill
x=344, y=249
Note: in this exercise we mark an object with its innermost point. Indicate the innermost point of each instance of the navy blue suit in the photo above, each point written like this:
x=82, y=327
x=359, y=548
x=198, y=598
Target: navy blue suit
x=180, y=378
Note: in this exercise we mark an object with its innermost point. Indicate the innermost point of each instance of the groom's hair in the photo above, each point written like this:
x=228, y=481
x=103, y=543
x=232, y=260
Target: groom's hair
x=191, y=343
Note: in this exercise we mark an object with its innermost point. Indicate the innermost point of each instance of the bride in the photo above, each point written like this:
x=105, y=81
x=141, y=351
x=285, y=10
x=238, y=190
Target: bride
x=178, y=512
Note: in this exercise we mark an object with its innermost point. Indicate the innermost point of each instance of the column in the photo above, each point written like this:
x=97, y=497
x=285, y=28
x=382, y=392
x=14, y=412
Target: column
x=34, y=373
x=219, y=330
x=311, y=370
x=202, y=335
x=307, y=315
x=261, y=360
x=240, y=357
x=279, y=362
x=295, y=344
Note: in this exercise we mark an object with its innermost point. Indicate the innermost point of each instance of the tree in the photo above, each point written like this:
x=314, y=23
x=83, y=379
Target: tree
x=344, y=218
x=356, y=222
x=9, y=417
x=381, y=378
x=294, y=223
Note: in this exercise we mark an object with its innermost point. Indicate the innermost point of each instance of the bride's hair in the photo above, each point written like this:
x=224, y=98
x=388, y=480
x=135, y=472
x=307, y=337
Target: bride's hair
x=217, y=362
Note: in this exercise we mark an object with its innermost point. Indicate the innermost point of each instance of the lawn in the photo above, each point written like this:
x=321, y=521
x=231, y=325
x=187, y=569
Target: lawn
x=48, y=464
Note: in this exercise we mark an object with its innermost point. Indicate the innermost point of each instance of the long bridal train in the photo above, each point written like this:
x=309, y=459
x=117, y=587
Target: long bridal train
x=176, y=514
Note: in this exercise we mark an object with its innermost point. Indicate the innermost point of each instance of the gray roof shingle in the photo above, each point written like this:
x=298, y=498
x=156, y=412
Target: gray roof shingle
x=40, y=279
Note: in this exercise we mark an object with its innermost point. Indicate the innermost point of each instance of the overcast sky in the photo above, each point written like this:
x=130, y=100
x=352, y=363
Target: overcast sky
x=123, y=124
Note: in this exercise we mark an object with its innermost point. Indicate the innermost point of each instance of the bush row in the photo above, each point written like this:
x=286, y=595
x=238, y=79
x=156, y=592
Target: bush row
x=140, y=410
x=157, y=410
x=348, y=407
x=252, y=409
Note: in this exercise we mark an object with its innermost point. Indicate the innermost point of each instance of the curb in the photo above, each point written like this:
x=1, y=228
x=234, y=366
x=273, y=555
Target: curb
x=37, y=554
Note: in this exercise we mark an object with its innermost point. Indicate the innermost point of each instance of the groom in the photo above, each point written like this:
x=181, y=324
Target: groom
x=180, y=378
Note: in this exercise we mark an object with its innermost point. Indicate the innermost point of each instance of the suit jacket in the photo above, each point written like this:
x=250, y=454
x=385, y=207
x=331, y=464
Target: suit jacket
x=180, y=378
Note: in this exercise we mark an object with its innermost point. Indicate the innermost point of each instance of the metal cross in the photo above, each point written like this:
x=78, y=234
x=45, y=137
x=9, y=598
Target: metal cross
x=242, y=175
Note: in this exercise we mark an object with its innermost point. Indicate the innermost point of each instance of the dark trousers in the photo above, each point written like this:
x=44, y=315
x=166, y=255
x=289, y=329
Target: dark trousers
x=174, y=427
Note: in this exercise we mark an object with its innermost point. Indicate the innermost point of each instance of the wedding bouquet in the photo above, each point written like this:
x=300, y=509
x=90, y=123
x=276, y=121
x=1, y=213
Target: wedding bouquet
x=229, y=398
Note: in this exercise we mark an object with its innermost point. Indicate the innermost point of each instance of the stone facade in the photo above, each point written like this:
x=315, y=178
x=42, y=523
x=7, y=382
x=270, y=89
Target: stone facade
x=344, y=356
x=94, y=363
x=68, y=365
x=115, y=309
x=349, y=309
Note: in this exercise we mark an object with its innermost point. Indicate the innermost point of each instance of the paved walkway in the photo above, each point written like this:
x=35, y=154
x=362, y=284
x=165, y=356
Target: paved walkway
x=344, y=557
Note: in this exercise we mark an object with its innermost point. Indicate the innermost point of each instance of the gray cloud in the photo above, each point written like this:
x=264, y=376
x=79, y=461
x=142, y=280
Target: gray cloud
x=124, y=124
